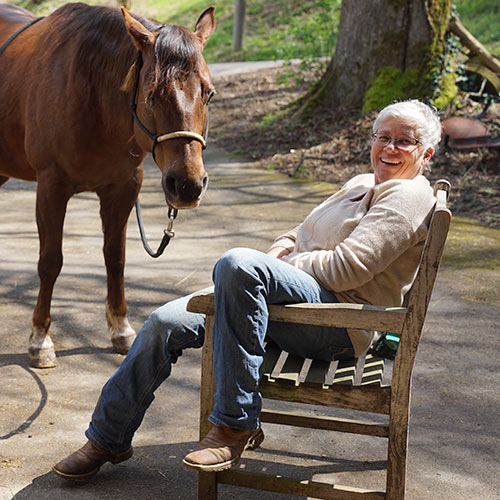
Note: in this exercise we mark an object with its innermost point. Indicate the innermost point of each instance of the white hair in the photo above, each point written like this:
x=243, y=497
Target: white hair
x=424, y=117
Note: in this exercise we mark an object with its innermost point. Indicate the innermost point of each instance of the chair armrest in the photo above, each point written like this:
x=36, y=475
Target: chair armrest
x=202, y=302
x=342, y=315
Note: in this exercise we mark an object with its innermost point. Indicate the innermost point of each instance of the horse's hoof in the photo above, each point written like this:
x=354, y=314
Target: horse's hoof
x=122, y=334
x=123, y=342
x=42, y=358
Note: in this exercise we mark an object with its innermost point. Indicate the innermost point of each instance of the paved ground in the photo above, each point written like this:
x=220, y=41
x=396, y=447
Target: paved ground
x=454, y=436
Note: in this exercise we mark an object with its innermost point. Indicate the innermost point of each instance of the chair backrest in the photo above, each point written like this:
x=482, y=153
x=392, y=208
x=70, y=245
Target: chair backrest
x=418, y=298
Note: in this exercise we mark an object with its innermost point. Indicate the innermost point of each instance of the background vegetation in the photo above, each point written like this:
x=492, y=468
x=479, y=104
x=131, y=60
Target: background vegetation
x=281, y=29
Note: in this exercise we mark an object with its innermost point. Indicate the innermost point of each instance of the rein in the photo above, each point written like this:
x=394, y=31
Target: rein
x=17, y=32
x=168, y=232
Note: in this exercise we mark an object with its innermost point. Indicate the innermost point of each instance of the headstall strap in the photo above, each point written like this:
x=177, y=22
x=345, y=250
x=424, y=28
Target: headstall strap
x=160, y=138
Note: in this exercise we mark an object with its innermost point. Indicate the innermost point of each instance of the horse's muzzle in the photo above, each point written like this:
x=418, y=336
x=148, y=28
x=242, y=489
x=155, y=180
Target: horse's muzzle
x=181, y=192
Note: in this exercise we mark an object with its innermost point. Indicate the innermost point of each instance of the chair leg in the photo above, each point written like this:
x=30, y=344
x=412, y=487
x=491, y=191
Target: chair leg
x=207, y=481
x=207, y=485
x=396, y=460
x=207, y=386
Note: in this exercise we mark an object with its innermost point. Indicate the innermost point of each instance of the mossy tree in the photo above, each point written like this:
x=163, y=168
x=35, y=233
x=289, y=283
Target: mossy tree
x=386, y=50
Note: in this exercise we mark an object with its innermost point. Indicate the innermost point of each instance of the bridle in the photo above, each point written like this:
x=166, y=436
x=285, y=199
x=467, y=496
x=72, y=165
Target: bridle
x=165, y=137
x=168, y=232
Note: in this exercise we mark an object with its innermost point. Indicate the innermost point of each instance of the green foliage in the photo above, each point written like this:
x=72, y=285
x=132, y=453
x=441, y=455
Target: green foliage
x=280, y=29
x=482, y=19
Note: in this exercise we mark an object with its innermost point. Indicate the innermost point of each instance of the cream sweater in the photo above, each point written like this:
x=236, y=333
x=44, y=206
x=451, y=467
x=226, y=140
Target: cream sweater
x=364, y=242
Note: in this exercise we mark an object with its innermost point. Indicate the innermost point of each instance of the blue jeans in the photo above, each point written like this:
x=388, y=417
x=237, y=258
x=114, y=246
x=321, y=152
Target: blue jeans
x=245, y=281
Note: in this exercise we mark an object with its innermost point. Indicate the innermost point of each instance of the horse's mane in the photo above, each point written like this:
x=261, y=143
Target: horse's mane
x=105, y=52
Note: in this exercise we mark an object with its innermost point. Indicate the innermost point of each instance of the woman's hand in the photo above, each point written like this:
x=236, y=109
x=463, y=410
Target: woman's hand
x=278, y=252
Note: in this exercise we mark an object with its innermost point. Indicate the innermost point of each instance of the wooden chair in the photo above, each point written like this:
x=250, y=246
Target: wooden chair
x=356, y=385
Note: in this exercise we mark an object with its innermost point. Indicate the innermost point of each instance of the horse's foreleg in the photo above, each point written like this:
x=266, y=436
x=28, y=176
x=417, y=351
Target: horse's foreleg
x=51, y=201
x=116, y=203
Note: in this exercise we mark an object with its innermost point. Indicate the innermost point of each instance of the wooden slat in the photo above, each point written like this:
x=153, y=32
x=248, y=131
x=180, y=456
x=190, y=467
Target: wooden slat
x=293, y=486
x=330, y=376
x=387, y=319
x=369, y=398
x=325, y=423
x=304, y=371
x=373, y=371
x=279, y=365
x=272, y=355
x=358, y=370
x=342, y=315
x=345, y=372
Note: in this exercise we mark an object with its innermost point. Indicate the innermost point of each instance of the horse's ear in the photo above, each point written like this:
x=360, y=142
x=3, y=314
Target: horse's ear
x=142, y=37
x=205, y=25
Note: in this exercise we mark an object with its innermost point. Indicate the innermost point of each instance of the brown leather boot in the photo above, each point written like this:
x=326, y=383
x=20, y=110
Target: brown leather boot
x=87, y=461
x=221, y=448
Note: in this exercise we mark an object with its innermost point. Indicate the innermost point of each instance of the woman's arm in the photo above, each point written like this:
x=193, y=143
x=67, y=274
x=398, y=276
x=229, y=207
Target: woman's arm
x=278, y=252
x=283, y=244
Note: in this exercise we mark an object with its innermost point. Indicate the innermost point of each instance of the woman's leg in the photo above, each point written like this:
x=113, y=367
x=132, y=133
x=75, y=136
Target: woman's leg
x=129, y=392
x=246, y=281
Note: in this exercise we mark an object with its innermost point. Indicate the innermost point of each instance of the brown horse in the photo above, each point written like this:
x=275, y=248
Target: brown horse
x=66, y=92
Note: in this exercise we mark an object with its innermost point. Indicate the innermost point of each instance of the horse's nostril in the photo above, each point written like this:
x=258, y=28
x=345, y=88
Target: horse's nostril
x=205, y=181
x=170, y=185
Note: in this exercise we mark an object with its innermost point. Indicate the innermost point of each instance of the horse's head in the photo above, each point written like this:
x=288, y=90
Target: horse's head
x=173, y=91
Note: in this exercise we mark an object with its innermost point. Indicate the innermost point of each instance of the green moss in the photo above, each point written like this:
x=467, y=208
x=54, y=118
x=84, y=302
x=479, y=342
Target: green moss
x=447, y=91
x=390, y=84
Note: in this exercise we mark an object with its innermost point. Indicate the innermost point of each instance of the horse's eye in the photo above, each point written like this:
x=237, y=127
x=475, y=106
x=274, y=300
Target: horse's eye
x=212, y=93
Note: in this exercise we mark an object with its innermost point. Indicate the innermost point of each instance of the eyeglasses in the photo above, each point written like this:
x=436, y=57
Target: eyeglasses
x=403, y=143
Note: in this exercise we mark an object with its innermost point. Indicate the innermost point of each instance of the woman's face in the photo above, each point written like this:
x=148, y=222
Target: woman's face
x=398, y=162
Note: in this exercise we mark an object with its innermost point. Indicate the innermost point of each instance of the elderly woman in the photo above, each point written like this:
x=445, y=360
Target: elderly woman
x=361, y=245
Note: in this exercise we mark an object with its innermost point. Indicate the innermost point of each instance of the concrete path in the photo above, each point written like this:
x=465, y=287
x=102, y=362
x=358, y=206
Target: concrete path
x=454, y=436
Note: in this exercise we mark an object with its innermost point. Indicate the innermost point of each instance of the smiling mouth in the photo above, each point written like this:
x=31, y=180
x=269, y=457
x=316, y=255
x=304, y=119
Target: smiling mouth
x=390, y=162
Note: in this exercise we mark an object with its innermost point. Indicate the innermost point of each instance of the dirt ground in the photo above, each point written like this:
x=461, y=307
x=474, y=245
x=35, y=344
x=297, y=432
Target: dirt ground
x=454, y=434
x=333, y=145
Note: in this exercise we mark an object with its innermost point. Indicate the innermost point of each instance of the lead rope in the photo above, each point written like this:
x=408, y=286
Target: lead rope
x=168, y=232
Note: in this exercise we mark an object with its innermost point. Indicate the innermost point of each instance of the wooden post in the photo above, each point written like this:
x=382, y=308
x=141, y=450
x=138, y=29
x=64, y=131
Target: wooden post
x=490, y=61
x=238, y=24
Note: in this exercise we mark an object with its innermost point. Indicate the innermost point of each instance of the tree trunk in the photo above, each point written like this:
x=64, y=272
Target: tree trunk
x=238, y=24
x=386, y=49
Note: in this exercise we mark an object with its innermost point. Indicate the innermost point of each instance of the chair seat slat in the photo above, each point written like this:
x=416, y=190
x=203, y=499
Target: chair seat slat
x=273, y=353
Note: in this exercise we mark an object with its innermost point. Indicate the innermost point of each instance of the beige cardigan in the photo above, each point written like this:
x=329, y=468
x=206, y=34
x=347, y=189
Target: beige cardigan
x=364, y=242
